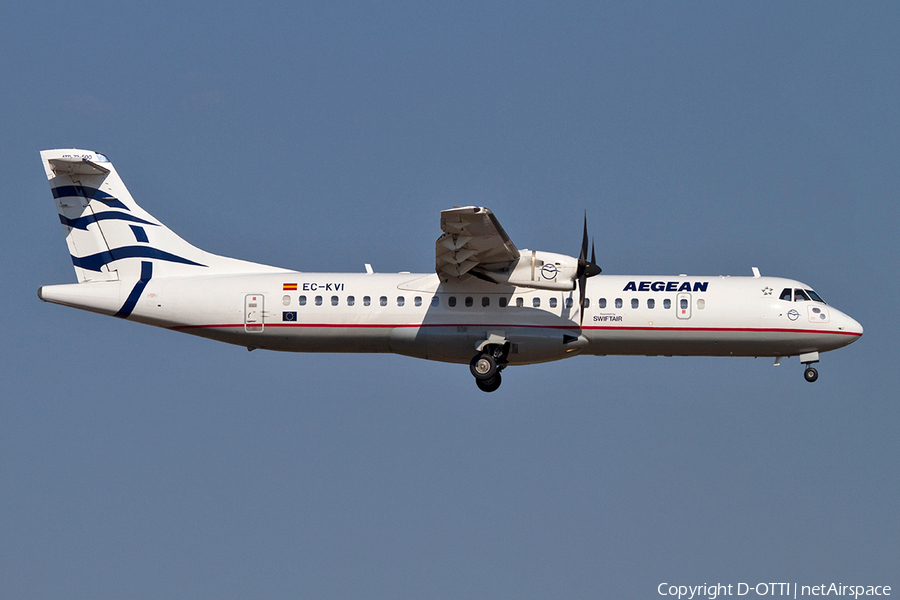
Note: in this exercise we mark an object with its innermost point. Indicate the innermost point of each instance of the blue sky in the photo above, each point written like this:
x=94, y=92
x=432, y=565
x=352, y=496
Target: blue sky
x=702, y=138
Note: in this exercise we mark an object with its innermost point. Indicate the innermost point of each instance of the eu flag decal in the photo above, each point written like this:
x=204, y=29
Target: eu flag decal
x=289, y=315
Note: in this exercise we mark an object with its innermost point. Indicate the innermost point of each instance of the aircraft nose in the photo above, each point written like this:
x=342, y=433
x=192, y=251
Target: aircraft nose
x=852, y=326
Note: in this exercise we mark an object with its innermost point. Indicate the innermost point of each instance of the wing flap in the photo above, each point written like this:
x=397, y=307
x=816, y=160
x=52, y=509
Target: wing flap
x=472, y=237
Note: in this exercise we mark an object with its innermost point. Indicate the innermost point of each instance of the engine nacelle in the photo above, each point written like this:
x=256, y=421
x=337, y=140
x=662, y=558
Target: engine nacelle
x=535, y=269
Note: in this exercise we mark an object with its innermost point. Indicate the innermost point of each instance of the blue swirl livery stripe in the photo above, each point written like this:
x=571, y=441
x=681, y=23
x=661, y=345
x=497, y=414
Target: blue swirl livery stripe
x=83, y=222
x=95, y=262
x=136, y=291
x=80, y=191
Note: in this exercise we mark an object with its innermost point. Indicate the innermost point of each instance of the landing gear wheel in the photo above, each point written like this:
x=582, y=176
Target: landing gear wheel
x=489, y=385
x=811, y=374
x=484, y=367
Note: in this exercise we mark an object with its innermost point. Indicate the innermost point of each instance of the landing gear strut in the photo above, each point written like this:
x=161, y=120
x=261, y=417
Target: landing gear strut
x=487, y=364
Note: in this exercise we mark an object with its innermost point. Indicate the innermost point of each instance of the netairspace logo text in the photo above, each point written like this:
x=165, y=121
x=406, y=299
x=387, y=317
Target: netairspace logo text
x=792, y=590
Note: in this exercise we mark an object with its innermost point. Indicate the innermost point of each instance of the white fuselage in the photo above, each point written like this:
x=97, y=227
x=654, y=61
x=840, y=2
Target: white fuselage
x=417, y=315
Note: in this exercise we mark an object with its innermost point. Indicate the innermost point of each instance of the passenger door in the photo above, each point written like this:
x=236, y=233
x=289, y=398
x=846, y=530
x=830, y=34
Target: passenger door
x=683, y=306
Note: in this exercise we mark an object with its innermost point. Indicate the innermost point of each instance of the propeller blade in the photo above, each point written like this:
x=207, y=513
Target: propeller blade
x=585, y=269
x=582, y=285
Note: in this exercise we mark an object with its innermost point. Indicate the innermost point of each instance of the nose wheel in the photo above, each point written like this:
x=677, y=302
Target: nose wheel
x=810, y=374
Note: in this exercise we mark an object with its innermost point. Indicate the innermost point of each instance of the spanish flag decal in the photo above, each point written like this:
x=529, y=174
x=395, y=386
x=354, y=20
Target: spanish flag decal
x=289, y=287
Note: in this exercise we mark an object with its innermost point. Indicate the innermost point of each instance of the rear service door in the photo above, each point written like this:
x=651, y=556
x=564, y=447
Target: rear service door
x=254, y=319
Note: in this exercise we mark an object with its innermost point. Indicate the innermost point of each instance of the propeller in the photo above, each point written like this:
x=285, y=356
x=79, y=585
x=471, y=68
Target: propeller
x=585, y=268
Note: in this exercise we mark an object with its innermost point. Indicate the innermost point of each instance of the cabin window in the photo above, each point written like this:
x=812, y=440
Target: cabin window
x=634, y=303
x=552, y=302
x=401, y=300
x=683, y=303
x=301, y=300
x=469, y=302
x=383, y=301
x=536, y=302
x=318, y=300
x=520, y=302
x=800, y=296
x=618, y=303
x=785, y=294
x=701, y=303
x=286, y=300
x=435, y=301
x=418, y=300
x=569, y=302
x=367, y=301
x=334, y=300
x=451, y=301
x=651, y=303
x=502, y=301
x=602, y=303
x=667, y=304
x=351, y=300
x=485, y=301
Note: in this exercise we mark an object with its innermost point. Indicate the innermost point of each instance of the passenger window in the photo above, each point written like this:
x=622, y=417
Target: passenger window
x=318, y=300
x=618, y=303
x=401, y=300
x=418, y=301
x=683, y=303
x=366, y=301
x=301, y=300
x=667, y=304
x=435, y=301
x=383, y=301
x=469, y=302
x=451, y=301
x=785, y=294
x=800, y=296
x=502, y=301
x=351, y=300
x=701, y=303
x=520, y=302
x=485, y=301
x=552, y=302
x=334, y=300
x=651, y=303
x=602, y=303
x=286, y=300
x=634, y=303
x=536, y=302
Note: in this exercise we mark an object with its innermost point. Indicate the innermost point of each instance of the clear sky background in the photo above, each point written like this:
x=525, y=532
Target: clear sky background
x=702, y=138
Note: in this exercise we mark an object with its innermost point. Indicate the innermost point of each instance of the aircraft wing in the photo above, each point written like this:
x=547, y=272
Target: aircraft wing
x=472, y=237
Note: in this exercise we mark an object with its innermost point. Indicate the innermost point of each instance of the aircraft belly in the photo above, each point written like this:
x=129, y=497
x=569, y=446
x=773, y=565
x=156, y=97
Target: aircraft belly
x=719, y=342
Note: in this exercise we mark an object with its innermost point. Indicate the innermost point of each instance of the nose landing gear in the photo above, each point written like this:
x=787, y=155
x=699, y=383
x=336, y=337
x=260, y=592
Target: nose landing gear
x=808, y=359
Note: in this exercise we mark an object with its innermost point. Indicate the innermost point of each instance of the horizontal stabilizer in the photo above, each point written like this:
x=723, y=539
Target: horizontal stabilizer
x=72, y=165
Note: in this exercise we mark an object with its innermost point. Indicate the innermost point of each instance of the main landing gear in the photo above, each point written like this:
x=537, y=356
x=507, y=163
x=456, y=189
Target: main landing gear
x=487, y=364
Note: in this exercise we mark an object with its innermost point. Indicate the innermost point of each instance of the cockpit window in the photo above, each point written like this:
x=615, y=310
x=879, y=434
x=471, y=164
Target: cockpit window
x=815, y=296
x=800, y=296
x=786, y=294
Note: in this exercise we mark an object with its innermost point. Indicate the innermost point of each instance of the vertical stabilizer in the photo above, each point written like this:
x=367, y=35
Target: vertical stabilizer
x=110, y=237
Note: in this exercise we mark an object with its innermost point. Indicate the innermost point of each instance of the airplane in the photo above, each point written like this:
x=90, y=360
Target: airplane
x=488, y=303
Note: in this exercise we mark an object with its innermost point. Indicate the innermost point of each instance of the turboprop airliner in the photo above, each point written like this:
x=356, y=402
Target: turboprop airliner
x=488, y=303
